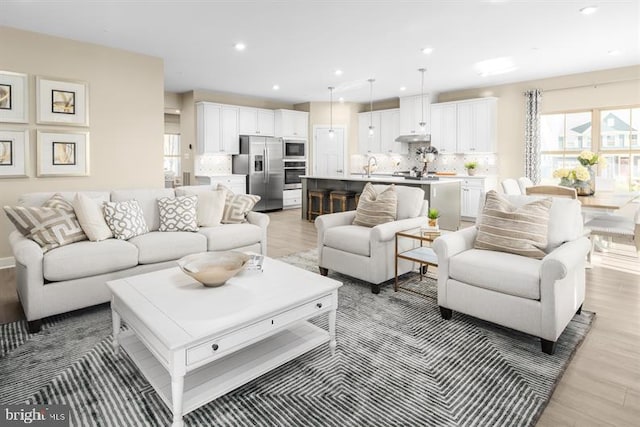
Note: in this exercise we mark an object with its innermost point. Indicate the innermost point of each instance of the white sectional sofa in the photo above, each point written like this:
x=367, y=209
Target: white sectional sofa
x=74, y=276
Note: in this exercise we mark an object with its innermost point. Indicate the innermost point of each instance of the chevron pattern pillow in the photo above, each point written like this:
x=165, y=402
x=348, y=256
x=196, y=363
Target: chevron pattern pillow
x=52, y=225
x=125, y=219
x=518, y=230
x=178, y=213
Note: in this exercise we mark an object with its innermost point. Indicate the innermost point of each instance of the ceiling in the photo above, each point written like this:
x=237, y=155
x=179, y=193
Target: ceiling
x=298, y=44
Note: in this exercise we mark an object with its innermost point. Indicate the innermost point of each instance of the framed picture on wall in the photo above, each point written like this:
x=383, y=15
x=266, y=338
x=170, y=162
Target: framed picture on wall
x=63, y=154
x=62, y=102
x=14, y=152
x=14, y=105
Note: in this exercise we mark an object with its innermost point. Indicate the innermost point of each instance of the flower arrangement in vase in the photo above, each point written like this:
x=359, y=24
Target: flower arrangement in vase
x=583, y=176
x=471, y=168
x=426, y=155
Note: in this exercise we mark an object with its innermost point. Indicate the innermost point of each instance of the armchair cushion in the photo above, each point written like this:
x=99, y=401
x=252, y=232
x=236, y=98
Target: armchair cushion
x=520, y=230
x=498, y=271
x=376, y=207
x=349, y=238
x=410, y=200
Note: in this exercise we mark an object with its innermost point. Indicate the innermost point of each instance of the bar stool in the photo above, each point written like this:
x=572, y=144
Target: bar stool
x=357, y=199
x=319, y=194
x=343, y=197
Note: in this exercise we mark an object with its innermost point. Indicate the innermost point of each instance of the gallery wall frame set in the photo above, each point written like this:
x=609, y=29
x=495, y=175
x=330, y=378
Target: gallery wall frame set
x=62, y=102
x=14, y=97
x=14, y=153
x=62, y=154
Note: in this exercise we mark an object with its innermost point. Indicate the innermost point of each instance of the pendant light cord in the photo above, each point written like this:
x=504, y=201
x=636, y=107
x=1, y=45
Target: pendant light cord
x=331, y=108
x=371, y=103
x=422, y=122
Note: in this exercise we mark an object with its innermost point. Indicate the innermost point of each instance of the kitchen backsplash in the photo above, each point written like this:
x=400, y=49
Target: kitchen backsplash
x=207, y=164
x=389, y=163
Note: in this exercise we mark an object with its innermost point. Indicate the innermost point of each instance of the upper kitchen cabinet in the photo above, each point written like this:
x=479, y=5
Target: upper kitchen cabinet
x=386, y=128
x=217, y=128
x=257, y=121
x=444, y=127
x=476, y=128
x=411, y=114
x=291, y=124
x=369, y=143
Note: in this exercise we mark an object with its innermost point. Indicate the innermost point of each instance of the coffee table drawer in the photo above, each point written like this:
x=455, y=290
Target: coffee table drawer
x=230, y=342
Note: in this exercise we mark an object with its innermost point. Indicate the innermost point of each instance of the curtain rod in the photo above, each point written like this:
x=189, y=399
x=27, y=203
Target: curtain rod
x=593, y=85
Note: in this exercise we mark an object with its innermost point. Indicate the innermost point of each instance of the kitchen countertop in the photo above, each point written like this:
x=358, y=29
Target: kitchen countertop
x=379, y=178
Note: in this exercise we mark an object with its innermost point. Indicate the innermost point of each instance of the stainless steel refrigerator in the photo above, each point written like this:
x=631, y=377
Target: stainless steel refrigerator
x=260, y=159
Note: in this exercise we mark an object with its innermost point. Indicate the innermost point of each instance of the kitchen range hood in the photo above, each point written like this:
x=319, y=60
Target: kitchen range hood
x=426, y=138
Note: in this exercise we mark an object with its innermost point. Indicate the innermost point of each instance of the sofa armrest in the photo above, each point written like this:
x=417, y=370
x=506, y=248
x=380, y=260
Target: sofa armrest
x=261, y=220
x=564, y=259
x=387, y=231
x=451, y=244
x=29, y=274
x=324, y=222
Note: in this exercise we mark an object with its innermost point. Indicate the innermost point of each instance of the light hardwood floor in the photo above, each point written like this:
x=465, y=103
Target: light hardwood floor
x=601, y=386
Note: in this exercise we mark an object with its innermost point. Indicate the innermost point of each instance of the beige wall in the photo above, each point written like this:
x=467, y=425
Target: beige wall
x=607, y=88
x=126, y=106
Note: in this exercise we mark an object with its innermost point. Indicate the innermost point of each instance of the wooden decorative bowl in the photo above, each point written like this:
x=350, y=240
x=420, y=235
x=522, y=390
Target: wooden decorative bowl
x=213, y=269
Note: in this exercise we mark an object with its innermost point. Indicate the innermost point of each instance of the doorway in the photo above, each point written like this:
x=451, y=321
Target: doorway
x=329, y=154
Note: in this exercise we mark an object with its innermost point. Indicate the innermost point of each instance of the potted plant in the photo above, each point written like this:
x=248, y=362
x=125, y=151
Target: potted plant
x=471, y=168
x=433, y=216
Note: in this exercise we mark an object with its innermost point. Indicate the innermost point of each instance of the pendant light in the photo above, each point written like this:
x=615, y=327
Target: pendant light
x=371, y=106
x=422, y=124
x=331, y=132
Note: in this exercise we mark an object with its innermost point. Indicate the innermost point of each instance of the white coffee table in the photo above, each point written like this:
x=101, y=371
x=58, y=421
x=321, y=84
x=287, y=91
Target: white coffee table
x=195, y=344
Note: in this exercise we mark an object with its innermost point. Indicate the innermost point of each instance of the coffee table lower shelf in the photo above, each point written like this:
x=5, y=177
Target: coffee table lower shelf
x=211, y=381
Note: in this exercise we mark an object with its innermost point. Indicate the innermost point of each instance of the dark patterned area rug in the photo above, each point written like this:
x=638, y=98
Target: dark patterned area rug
x=397, y=364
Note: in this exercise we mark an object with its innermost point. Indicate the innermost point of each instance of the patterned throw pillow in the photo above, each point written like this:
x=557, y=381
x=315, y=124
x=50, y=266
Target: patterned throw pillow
x=505, y=228
x=50, y=226
x=125, y=219
x=374, y=209
x=178, y=213
x=237, y=206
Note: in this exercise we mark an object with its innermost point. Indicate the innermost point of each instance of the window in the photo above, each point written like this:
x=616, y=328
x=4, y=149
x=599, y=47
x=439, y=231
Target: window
x=565, y=135
x=171, y=156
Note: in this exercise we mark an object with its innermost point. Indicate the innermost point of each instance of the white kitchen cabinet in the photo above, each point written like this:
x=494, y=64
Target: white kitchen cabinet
x=411, y=114
x=472, y=189
x=444, y=127
x=291, y=199
x=386, y=125
x=369, y=143
x=236, y=183
x=476, y=125
x=291, y=124
x=216, y=128
x=257, y=121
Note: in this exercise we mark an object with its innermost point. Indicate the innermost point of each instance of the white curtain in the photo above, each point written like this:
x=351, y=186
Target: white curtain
x=532, y=135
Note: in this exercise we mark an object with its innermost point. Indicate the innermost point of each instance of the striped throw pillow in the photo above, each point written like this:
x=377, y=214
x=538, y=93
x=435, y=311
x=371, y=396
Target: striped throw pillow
x=374, y=209
x=505, y=228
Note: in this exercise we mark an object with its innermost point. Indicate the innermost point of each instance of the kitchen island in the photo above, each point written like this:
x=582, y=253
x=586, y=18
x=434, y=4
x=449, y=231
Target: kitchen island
x=443, y=195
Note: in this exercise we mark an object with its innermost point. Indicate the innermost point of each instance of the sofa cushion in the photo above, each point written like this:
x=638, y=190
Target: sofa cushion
x=210, y=203
x=353, y=239
x=52, y=225
x=231, y=236
x=178, y=213
x=158, y=246
x=84, y=259
x=125, y=219
x=497, y=271
x=520, y=230
x=90, y=214
x=375, y=208
x=410, y=200
x=38, y=198
x=148, y=199
x=237, y=206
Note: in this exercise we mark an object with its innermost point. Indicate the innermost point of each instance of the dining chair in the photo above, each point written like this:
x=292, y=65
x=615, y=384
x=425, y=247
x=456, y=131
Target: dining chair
x=618, y=226
x=524, y=183
x=510, y=186
x=552, y=190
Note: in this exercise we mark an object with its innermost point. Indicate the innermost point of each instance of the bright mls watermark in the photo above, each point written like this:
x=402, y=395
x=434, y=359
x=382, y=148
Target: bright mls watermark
x=34, y=415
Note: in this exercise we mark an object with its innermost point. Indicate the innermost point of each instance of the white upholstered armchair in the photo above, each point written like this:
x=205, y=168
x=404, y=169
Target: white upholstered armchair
x=535, y=296
x=368, y=253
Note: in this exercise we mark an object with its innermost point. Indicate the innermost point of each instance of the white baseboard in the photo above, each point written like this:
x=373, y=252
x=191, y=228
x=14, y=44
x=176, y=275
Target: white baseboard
x=7, y=262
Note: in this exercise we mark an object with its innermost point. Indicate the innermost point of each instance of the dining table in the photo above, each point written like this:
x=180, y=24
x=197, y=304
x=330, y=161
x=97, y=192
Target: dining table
x=608, y=201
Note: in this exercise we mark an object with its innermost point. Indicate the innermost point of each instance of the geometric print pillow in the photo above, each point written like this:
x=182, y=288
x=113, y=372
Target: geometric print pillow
x=125, y=219
x=237, y=207
x=178, y=213
x=50, y=226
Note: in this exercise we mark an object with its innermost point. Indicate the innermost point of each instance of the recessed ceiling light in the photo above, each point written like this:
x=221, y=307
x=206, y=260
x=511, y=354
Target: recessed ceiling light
x=492, y=67
x=338, y=72
x=403, y=88
x=240, y=46
x=341, y=99
x=614, y=52
x=588, y=10
x=427, y=50
x=276, y=87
